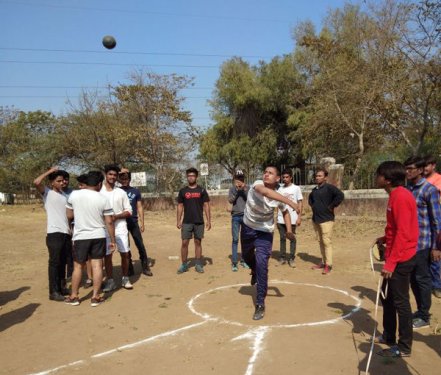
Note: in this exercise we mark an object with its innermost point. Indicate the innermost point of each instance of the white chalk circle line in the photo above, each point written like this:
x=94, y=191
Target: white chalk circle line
x=206, y=316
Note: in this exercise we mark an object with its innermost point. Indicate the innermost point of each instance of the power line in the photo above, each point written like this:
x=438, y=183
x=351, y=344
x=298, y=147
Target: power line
x=80, y=87
x=131, y=53
x=139, y=11
x=99, y=96
x=109, y=64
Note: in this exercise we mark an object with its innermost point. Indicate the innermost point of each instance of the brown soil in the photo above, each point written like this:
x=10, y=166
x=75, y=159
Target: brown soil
x=38, y=334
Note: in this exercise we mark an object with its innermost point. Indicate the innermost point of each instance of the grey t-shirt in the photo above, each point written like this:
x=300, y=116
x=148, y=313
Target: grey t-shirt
x=55, y=206
x=259, y=210
x=89, y=208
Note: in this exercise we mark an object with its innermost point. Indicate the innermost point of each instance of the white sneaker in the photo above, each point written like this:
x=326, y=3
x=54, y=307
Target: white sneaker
x=126, y=284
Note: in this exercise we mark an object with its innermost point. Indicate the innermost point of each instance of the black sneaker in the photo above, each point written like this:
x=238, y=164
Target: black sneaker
x=282, y=260
x=146, y=270
x=253, y=278
x=55, y=296
x=393, y=352
x=259, y=313
x=131, y=269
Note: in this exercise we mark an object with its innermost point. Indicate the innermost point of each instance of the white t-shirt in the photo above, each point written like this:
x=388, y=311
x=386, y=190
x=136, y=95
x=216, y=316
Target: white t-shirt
x=293, y=193
x=55, y=206
x=259, y=210
x=119, y=201
x=89, y=209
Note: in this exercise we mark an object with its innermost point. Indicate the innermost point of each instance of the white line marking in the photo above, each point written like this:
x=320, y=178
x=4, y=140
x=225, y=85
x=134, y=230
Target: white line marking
x=192, y=308
x=124, y=347
x=59, y=368
x=257, y=335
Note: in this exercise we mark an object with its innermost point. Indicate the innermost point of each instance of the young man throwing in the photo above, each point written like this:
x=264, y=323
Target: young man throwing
x=257, y=230
x=401, y=239
x=193, y=202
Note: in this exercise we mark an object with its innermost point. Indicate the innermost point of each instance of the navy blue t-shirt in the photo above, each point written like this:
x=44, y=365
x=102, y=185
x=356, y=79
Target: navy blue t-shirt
x=134, y=196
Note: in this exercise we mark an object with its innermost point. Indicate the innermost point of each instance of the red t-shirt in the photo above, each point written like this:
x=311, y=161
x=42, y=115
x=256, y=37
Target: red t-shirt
x=401, y=228
x=435, y=180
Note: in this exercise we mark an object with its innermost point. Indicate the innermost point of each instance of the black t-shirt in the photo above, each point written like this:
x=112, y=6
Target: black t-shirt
x=193, y=201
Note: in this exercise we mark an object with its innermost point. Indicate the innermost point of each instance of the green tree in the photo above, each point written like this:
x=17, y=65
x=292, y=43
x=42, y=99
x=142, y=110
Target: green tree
x=28, y=145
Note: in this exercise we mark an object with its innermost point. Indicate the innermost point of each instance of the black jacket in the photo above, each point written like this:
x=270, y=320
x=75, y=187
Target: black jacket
x=323, y=200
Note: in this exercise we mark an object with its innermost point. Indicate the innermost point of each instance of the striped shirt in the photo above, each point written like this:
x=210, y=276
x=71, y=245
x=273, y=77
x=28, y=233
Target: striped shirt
x=259, y=210
x=429, y=213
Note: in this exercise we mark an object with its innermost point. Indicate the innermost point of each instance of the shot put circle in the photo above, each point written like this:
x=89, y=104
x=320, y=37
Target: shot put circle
x=211, y=317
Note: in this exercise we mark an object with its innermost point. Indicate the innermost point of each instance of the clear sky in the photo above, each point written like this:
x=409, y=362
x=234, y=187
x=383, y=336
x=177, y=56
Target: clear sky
x=50, y=49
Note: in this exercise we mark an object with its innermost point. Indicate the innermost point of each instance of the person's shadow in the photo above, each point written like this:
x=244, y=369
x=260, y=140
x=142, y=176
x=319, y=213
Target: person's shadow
x=191, y=262
x=17, y=316
x=11, y=295
x=309, y=258
x=363, y=327
x=250, y=290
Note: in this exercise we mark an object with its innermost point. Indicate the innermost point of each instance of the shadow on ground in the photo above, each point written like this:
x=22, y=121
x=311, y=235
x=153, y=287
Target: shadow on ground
x=11, y=295
x=17, y=316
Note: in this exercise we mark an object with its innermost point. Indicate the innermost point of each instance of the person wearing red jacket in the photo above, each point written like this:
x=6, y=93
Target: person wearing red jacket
x=401, y=239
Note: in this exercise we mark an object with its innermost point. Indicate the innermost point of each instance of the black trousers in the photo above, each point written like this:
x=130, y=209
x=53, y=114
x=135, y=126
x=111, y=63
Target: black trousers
x=59, y=246
x=421, y=283
x=134, y=230
x=397, y=303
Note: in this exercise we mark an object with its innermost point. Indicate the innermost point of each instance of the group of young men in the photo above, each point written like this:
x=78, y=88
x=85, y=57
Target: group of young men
x=87, y=225
x=103, y=214
x=413, y=249
x=252, y=215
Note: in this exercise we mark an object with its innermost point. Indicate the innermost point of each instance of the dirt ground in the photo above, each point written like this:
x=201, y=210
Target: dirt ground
x=153, y=330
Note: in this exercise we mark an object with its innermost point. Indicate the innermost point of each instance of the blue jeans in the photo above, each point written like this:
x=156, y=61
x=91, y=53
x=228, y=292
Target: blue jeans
x=256, y=251
x=435, y=270
x=236, y=223
x=421, y=284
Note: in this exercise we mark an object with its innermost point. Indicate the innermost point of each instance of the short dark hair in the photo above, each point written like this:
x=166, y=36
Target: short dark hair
x=95, y=177
x=392, y=171
x=417, y=160
x=111, y=167
x=287, y=171
x=275, y=167
x=82, y=179
x=65, y=175
x=52, y=176
x=239, y=175
x=430, y=159
x=129, y=174
x=192, y=170
x=321, y=169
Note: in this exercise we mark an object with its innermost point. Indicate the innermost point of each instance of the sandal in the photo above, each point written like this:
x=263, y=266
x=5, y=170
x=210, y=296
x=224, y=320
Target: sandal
x=96, y=301
x=75, y=301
